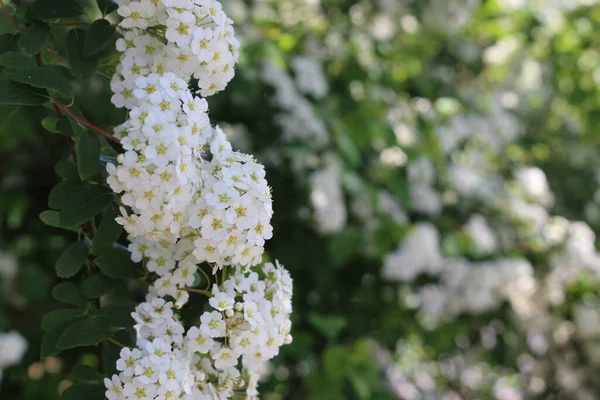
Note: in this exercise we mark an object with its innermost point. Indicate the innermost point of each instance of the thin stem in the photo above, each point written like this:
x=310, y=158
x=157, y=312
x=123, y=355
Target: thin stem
x=116, y=343
x=75, y=23
x=204, y=292
x=10, y=18
x=206, y=276
x=86, y=123
x=54, y=53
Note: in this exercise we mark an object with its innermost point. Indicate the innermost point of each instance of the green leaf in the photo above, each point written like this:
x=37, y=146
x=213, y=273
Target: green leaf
x=344, y=245
x=65, y=126
x=117, y=264
x=59, y=317
x=108, y=232
x=85, y=391
x=68, y=292
x=32, y=40
x=14, y=60
x=72, y=259
x=87, y=332
x=119, y=315
x=52, y=218
x=19, y=94
x=66, y=169
x=8, y=111
x=98, y=285
x=84, y=204
x=100, y=34
x=88, y=154
x=81, y=66
x=49, y=124
x=48, y=345
x=44, y=78
x=329, y=325
x=8, y=42
x=44, y=9
x=85, y=374
x=107, y=6
x=61, y=192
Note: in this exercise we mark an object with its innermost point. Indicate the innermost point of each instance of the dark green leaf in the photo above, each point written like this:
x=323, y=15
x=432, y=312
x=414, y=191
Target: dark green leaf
x=85, y=374
x=34, y=38
x=344, y=245
x=76, y=127
x=329, y=325
x=119, y=315
x=88, y=154
x=61, y=192
x=8, y=42
x=48, y=346
x=44, y=9
x=66, y=169
x=49, y=124
x=68, y=292
x=108, y=232
x=19, y=94
x=98, y=285
x=86, y=391
x=81, y=66
x=87, y=332
x=59, y=317
x=100, y=34
x=117, y=264
x=72, y=259
x=52, y=218
x=84, y=204
x=106, y=6
x=14, y=60
x=44, y=78
x=8, y=111
x=65, y=126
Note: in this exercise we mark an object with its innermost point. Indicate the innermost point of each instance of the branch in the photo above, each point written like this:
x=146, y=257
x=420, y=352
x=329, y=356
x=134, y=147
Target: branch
x=113, y=341
x=204, y=292
x=10, y=18
x=85, y=123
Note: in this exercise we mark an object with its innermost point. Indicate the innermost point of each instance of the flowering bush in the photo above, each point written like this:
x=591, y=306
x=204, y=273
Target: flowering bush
x=426, y=171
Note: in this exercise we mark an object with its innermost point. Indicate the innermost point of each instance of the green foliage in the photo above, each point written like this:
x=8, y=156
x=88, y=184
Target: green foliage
x=32, y=40
x=46, y=10
x=72, y=259
x=100, y=34
x=83, y=67
x=68, y=292
x=14, y=93
x=44, y=78
x=88, y=154
x=116, y=263
x=83, y=203
x=87, y=332
x=84, y=391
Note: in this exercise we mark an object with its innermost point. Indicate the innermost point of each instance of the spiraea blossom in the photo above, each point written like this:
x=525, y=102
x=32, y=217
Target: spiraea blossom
x=189, y=37
x=249, y=322
x=189, y=198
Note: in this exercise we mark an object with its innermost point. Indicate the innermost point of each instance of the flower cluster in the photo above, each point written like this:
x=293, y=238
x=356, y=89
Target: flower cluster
x=250, y=320
x=159, y=368
x=233, y=211
x=171, y=191
x=193, y=37
x=190, y=198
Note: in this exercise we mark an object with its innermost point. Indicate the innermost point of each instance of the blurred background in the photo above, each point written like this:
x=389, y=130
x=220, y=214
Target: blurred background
x=435, y=173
